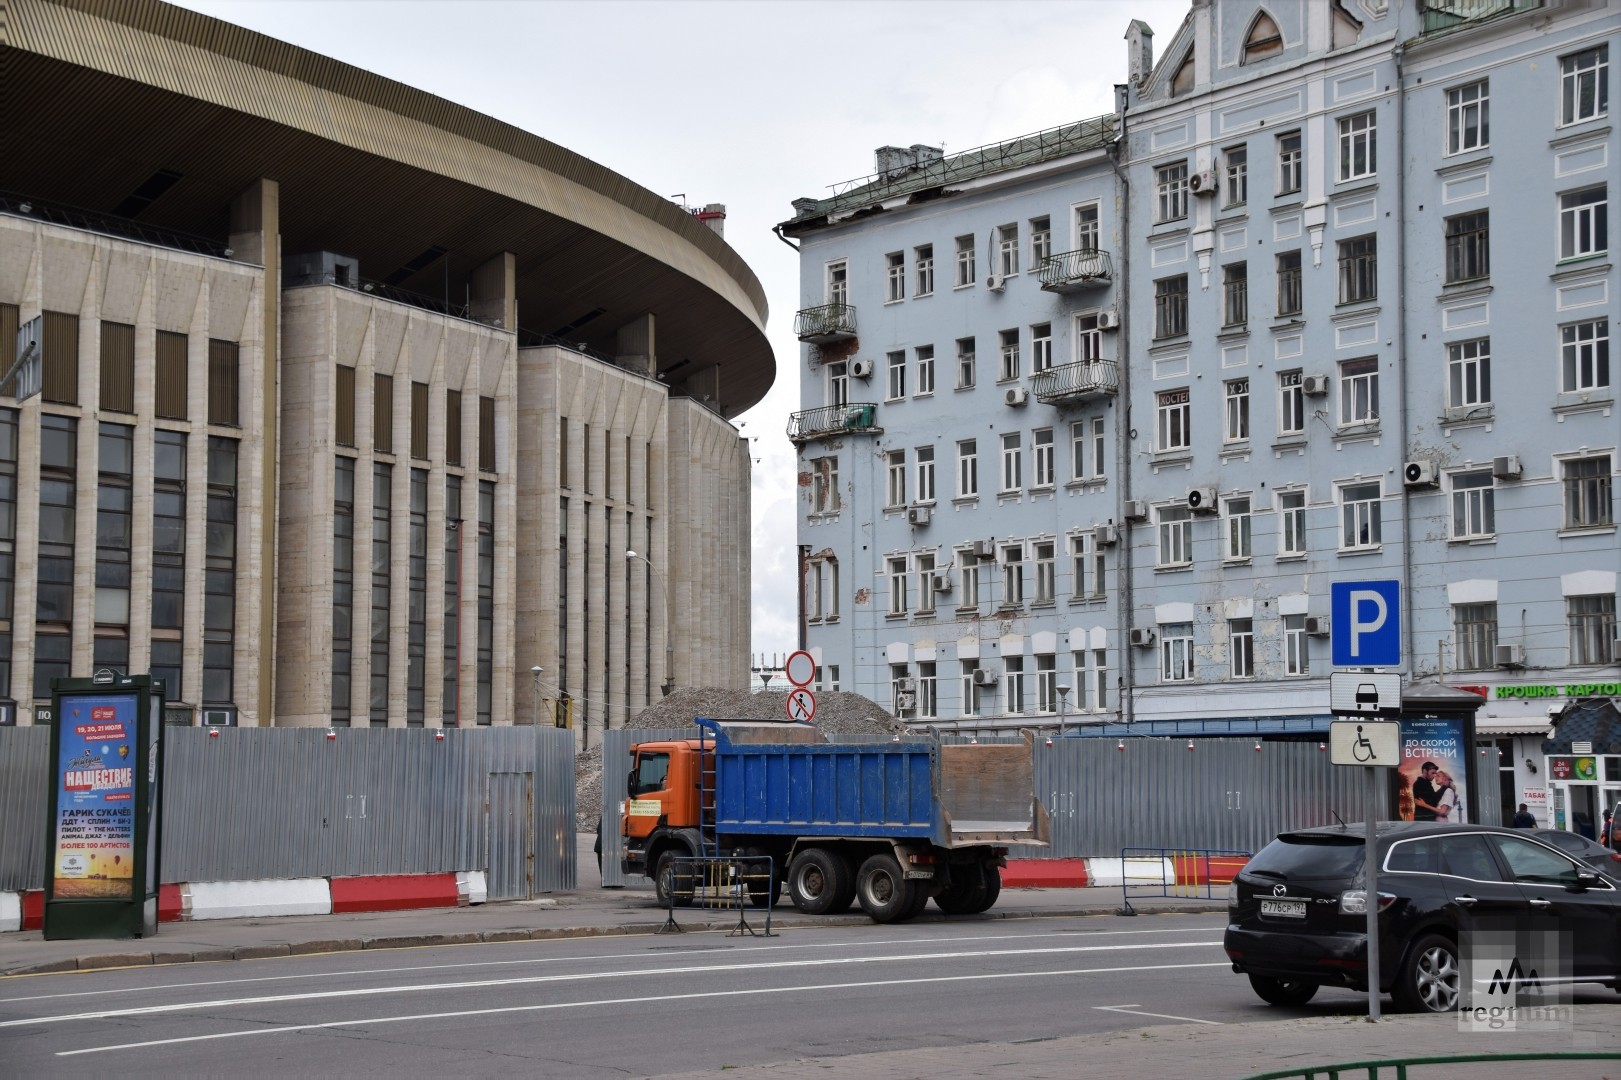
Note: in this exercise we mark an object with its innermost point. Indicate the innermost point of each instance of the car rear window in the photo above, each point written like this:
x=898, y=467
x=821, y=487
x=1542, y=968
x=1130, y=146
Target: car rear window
x=1298, y=857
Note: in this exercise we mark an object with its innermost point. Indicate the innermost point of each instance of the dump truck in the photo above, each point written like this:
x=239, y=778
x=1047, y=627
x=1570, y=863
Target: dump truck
x=889, y=825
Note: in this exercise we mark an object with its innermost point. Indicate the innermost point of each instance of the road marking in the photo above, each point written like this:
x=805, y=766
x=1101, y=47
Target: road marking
x=148, y=988
x=684, y=996
x=320, y=995
x=1135, y=1010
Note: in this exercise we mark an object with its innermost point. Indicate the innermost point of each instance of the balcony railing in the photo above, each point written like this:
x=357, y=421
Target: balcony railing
x=830, y=322
x=1071, y=382
x=832, y=420
x=1071, y=271
x=1445, y=14
x=94, y=221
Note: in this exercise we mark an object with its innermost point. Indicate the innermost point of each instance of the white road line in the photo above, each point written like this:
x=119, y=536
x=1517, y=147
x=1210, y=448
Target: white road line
x=147, y=988
x=327, y=995
x=682, y=997
x=1136, y=1010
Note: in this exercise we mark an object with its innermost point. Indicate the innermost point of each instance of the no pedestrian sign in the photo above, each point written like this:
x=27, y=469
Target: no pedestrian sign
x=801, y=705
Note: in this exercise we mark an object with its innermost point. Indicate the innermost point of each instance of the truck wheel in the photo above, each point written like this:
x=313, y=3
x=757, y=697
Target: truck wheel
x=883, y=891
x=672, y=878
x=817, y=879
x=993, y=889
x=961, y=896
x=920, y=900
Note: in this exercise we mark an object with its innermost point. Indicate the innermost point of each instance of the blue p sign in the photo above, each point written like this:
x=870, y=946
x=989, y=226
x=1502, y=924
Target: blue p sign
x=1365, y=623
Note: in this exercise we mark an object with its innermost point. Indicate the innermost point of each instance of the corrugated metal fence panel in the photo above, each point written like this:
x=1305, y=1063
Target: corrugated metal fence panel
x=24, y=785
x=555, y=849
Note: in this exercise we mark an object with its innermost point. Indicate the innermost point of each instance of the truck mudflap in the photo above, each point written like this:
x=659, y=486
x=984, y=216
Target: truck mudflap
x=987, y=794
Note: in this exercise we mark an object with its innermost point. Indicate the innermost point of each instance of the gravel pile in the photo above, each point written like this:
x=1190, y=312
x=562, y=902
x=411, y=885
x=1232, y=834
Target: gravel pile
x=837, y=713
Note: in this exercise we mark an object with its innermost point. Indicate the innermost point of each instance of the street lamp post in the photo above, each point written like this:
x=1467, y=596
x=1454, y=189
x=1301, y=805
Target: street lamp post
x=669, y=646
x=535, y=671
x=1063, y=699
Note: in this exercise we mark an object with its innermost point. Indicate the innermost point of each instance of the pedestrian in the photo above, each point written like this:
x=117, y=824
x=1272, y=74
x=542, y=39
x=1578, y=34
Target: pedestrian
x=1523, y=819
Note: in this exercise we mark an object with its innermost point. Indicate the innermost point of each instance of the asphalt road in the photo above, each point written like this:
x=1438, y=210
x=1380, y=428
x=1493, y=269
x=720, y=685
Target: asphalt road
x=621, y=1006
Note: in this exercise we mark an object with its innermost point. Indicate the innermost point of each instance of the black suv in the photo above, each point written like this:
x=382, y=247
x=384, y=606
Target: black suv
x=1297, y=918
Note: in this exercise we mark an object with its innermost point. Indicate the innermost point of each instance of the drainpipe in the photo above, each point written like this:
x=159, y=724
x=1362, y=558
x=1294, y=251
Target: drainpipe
x=1122, y=421
x=1401, y=360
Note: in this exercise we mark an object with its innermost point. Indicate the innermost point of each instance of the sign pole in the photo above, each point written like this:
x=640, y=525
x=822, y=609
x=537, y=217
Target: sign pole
x=1370, y=874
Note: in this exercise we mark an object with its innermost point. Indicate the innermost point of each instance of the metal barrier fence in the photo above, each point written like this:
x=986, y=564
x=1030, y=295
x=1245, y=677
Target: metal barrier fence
x=1179, y=872
x=726, y=882
x=1397, y=1067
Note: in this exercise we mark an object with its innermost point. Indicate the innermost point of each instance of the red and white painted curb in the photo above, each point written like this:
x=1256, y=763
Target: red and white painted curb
x=1113, y=873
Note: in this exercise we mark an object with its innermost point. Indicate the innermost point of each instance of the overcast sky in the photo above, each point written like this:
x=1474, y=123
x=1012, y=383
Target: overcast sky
x=750, y=104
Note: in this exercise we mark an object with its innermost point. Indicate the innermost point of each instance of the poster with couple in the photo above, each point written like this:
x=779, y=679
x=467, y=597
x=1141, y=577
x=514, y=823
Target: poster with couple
x=1431, y=778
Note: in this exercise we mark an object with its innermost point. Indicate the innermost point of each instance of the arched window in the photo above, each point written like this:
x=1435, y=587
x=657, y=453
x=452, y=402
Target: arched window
x=1182, y=81
x=1346, y=29
x=1264, y=38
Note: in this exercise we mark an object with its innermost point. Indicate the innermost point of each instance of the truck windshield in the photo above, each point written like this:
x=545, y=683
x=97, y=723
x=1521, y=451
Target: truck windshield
x=650, y=774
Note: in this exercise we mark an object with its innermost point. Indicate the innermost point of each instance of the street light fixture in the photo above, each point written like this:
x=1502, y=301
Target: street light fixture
x=1063, y=699
x=535, y=671
x=669, y=645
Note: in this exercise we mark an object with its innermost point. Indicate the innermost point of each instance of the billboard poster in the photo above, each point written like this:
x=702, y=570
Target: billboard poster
x=94, y=851
x=1431, y=779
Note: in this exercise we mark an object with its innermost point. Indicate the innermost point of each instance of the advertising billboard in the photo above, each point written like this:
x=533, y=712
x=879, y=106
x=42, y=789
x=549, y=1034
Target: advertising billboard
x=1432, y=779
x=94, y=850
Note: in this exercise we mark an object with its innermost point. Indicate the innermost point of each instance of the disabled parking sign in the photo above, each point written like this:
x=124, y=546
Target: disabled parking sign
x=1365, y=623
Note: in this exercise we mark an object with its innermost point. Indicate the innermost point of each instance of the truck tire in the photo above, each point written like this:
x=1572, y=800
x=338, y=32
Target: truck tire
x=819, y=882
x=670, y=877
x=965, y=891
x=993, y=889
x=883, y=891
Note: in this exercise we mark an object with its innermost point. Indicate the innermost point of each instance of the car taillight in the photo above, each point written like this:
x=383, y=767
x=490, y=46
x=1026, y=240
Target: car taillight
x=1355, y=901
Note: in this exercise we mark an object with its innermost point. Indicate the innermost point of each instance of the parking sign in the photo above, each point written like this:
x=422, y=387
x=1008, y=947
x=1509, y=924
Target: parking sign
x=1365, y=623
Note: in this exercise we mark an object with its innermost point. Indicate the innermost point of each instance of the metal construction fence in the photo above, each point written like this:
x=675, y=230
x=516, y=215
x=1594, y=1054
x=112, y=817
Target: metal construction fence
x=260, y=803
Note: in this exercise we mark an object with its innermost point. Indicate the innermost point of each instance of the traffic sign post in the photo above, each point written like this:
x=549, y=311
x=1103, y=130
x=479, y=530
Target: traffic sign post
x=800, y=668
x=1364, y=626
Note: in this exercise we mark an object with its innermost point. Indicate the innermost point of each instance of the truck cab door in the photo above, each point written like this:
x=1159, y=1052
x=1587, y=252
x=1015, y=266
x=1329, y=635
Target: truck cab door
x=648, y=788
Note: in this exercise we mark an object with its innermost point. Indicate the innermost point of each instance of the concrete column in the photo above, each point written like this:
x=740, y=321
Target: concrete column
x=494, y=289
x=636, y=345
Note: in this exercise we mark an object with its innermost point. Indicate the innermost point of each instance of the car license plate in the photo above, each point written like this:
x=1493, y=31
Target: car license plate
x=1284, y=909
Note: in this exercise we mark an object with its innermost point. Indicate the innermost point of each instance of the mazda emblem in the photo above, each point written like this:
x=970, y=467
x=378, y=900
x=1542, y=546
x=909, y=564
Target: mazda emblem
x=1279, y=890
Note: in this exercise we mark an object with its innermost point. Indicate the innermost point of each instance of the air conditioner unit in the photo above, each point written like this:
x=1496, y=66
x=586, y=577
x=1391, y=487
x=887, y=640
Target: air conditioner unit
x=1105, y=536
x=1420, y=472
x=940, y=582
x=1202, y=500
x=861, y=369
x=984, y=677
x=1615, y=650
x=984, y=549
x=995, y=282
x=918, y=515
x=1317, y=626
x=1314, y=385
x=1017, y=396
x=219, y=718
x=905, y=701
x=1204, y=183
x=1108, y=319
x=1142, y=638
x=1509, y=655
x=1135, y=510
x=1507, y=467
x=906, y=686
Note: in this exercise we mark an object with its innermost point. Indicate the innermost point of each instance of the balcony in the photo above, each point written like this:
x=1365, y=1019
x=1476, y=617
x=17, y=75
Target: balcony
x=1446, y=14
x=1074, y=382
x=825, y=324
x=1073, y=271
x=832, y=420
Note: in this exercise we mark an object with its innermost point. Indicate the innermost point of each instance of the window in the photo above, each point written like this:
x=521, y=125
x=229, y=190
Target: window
x=896, y=461
x=924, y=562
x=381, y=573
x=1013, y=576
x=822, y=590
x=1237, y=542
x=59, y=364
x=1359, y=516
x=899, y=571
x=928, y=689
x=925, y=474
x=1290, y=301
x=923, y=262
x=1359, y=260
x=1583, y=223
x=1236, y=427
x=1046, y=572
x=58, y=519
x=1358, y=146
x=965, y=363
x=895, y=370
x=486, y=437
x=1041, y=347
x=1235, y=294
x=1078, y=439
x=925, y=369
x=825, y=485
x=1088, y=339
x=971, y=577
x=1041, y=241
x=343, y=587
x=1236, y=173
x=169, y=390
x=168, y=555
x=1186, y=72
x=970, y=689
x=1291, y=404
x=1009, y=368
x=1592, y=627
x=1291, y=523
x=1171, y=306
x=838, y=282
x=1468, y=117
x=1359, y=391
x=1007, y=250
x=838, y=383
x=1468, y=247
x=416, y=624
x=1013, y=684
x=1012, y=463
x=965, y=261
x=114, y=533
x=1047, y=683
x=1587, y=491
x=382, y=411
x=450, y=689
x=1296, y=659
x=1092, y=674
x=1474, y=633
x=1042, y=468
x=1289, y=163
x=1171, y=189
x=1086, y=562
x=1241, y=647
x=895, y=277
x=453, y=427
x=1584, y=85
x=223, y=365
x=1584, y=356
x=1098, y=458
x=1175, y=536
x=1469, y=373
x=1176, y=652
x=1263, y=40
x=117, y=367
x=967, y=469
x=1088, y=231
x=419, y=420
x=1473, y=505
x=1173, y=419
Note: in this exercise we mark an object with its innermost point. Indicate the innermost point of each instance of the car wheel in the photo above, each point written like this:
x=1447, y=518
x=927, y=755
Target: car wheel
x=1429, y=982
x=1282, y=991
